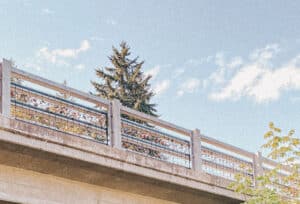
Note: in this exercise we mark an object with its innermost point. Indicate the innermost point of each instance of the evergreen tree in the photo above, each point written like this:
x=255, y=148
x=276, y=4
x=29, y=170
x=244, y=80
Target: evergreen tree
x=125, y=81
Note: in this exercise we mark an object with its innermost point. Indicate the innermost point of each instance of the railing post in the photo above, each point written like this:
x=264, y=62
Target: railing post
x=5, y=75
x=116, y=124
x=196, y=150
x=257, y=166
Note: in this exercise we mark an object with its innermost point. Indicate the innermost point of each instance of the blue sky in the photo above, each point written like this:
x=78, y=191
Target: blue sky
x=225, y=67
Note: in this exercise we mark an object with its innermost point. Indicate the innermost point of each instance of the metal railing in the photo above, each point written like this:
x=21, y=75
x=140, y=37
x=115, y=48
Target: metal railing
x=224, y=165
x=153, y=142
x=40, y=108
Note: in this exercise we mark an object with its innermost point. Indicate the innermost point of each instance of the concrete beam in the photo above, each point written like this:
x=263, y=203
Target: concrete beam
x=24, y=186
x=30, y=168
x=64, y=145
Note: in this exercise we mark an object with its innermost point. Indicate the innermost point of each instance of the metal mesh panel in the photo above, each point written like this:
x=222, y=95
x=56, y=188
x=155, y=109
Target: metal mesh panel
x=224, y=165
x=154, y=143
x=40, y=108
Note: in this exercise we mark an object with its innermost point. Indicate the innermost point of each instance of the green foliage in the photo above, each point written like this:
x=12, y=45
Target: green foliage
x=125, y=81
x=271, y=187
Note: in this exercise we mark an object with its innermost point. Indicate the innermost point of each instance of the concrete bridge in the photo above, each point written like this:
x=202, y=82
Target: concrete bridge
x=59, y=148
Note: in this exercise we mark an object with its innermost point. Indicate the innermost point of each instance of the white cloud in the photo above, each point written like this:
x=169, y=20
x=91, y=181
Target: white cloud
x=264, y=54
x=218, y=76
x=57, y=56
x=162, y=87
x=239, y=84
x=220, y=59
x=189, y=86
x=85, y=45
x=273, y=82
x=196, y=62
x=153, y=72
x=259, y=80
x=235, y=62
x=80, y=67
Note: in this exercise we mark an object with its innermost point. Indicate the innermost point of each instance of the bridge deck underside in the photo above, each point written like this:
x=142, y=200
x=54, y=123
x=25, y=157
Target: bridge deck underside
x=56, y=167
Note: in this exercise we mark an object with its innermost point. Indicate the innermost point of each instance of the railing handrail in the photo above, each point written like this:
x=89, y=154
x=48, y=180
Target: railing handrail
x=157, y=121
x=97, y=111
x=274, y=164
x=227, y=146
x=227, y=155
x=57, y=86
x=154, y=130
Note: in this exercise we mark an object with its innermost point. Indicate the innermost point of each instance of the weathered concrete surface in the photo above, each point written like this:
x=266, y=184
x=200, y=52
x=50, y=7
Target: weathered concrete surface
x=48, y=160
x=25, y=186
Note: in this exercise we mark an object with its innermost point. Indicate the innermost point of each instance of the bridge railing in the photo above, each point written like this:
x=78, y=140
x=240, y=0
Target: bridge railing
x=40, y=108
x=226, y=161
x=39, y=101
x=284, y=187
x=52, y=105
x=155, y=138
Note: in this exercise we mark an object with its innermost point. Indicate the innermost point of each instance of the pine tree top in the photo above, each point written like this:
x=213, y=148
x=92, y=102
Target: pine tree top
x=125, y=81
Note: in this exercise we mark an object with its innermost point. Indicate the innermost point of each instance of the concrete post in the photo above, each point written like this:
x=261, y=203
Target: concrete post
x=257, y=166
x=116, y=140
x=5, y=75
x=196, y=150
